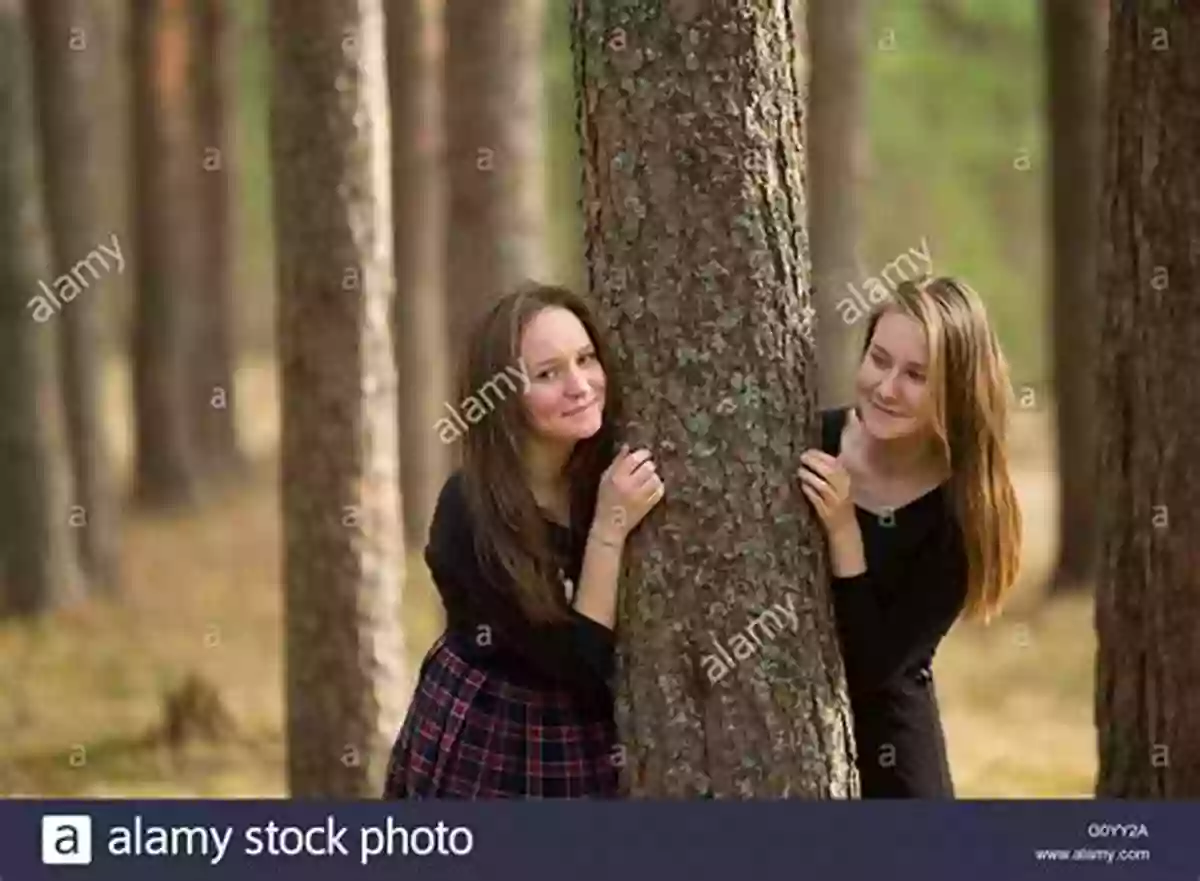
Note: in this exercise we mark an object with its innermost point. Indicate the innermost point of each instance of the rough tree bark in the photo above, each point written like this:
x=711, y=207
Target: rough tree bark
x=1074, y=46
x=214, y=356
x=69, y=56
x=1148, y=584
x=837, y=31
x=494, y=149
x=166, y=170
x=691, y=122
x=346, y=684
x=414, y=65
x=37, y=559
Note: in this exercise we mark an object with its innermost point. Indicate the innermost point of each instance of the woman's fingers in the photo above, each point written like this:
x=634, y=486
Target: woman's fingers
x=643, y=476
x=817, y=501
x=636, y=461
x=817, y=482
x=829, y=468
x=822, y=463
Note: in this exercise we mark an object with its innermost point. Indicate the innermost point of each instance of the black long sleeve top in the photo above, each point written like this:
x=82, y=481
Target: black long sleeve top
x=893, y=616
x=891, y=619
x=483, y=613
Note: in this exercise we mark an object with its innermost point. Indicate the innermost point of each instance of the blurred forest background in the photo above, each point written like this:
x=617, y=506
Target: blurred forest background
x=171, y=684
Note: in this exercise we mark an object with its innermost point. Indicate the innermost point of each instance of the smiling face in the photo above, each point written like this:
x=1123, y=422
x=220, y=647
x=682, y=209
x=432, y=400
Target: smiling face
x=893, y=394
x=564, y=402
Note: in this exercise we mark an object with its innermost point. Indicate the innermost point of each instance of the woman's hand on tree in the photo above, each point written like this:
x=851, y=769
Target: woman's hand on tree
x=825, y=482
x=629, y=488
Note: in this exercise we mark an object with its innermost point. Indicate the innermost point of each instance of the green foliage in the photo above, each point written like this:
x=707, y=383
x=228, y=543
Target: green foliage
x=957, y=153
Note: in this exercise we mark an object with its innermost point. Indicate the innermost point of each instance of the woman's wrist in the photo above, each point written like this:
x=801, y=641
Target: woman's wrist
x=607, y=537
x=596, y=597
x=847, y=557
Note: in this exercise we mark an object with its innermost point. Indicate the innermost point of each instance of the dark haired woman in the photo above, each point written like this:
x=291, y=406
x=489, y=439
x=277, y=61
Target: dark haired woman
x=913, y=490
x=525, y=548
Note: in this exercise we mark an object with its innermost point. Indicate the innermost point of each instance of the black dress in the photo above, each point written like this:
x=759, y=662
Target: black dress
x=505, y=708
x=891, y=620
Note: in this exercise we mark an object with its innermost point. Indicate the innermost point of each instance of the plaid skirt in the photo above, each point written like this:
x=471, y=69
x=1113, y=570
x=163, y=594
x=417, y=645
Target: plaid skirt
x=473, y=732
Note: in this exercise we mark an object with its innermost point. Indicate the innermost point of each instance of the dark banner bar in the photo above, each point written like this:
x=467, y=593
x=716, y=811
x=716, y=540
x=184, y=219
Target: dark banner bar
x=577, y=841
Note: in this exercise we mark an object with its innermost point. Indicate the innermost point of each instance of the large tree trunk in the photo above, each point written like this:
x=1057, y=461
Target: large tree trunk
x=166, y=168
x=837, y=142
x=494, y=146
x=214, y=357
x=37, y=570
x=1148, y=585
x=70, y=69
x=691, y=118
x=343, y=545
x=1074, y=45
x=414, y=65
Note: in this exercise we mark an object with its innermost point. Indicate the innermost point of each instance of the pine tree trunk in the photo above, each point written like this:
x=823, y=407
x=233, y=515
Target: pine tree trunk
x=69, y=56
x=691, y=120
x=214, y=357
x=330, y=144
x=1148, y=585
x=37, y=553
x=837, y=141
x=414, y=66
x=494, y=153
x=166, y=167
x=1074, y=52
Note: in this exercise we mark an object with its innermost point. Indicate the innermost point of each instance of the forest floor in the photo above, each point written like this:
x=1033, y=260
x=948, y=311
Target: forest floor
x=83, y=692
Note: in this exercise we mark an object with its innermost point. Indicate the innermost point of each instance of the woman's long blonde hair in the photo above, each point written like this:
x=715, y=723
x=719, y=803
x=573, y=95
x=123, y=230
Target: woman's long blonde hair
x=972, y=397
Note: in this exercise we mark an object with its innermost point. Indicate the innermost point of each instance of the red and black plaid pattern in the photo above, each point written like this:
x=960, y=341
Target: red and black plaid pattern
x=472, y=733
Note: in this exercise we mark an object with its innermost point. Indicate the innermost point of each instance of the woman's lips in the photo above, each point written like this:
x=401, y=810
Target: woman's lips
x=579, y=410
x=885, y=411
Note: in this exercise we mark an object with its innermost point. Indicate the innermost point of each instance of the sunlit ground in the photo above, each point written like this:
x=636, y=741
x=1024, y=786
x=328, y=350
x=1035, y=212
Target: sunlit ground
x=82, y=692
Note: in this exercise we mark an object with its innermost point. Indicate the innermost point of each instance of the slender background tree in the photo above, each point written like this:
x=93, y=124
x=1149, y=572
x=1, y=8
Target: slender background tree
x=213, y=363
x=494, y=153
x=418, y=188
x=343, y=547
x=1074, y=33
x=837, y=145
x=166, y=177
x=70, y=54
x=37, y=552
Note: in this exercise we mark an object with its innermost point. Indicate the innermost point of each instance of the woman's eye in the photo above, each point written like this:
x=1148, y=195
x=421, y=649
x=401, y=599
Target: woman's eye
x=545, y=374
x=588, y=358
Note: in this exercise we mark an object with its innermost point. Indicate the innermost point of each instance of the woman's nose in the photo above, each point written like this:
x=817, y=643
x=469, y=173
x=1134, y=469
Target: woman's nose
x=576, y=382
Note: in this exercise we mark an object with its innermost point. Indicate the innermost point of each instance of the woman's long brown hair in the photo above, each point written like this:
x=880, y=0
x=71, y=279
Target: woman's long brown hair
x=972, y=396
x=510, y=530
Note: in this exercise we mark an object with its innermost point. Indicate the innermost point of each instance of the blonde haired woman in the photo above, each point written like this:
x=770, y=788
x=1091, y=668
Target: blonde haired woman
x=913, y=490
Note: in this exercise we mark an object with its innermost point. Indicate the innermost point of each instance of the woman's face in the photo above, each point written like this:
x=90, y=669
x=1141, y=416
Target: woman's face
x=894, y=399
x=564, y=401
